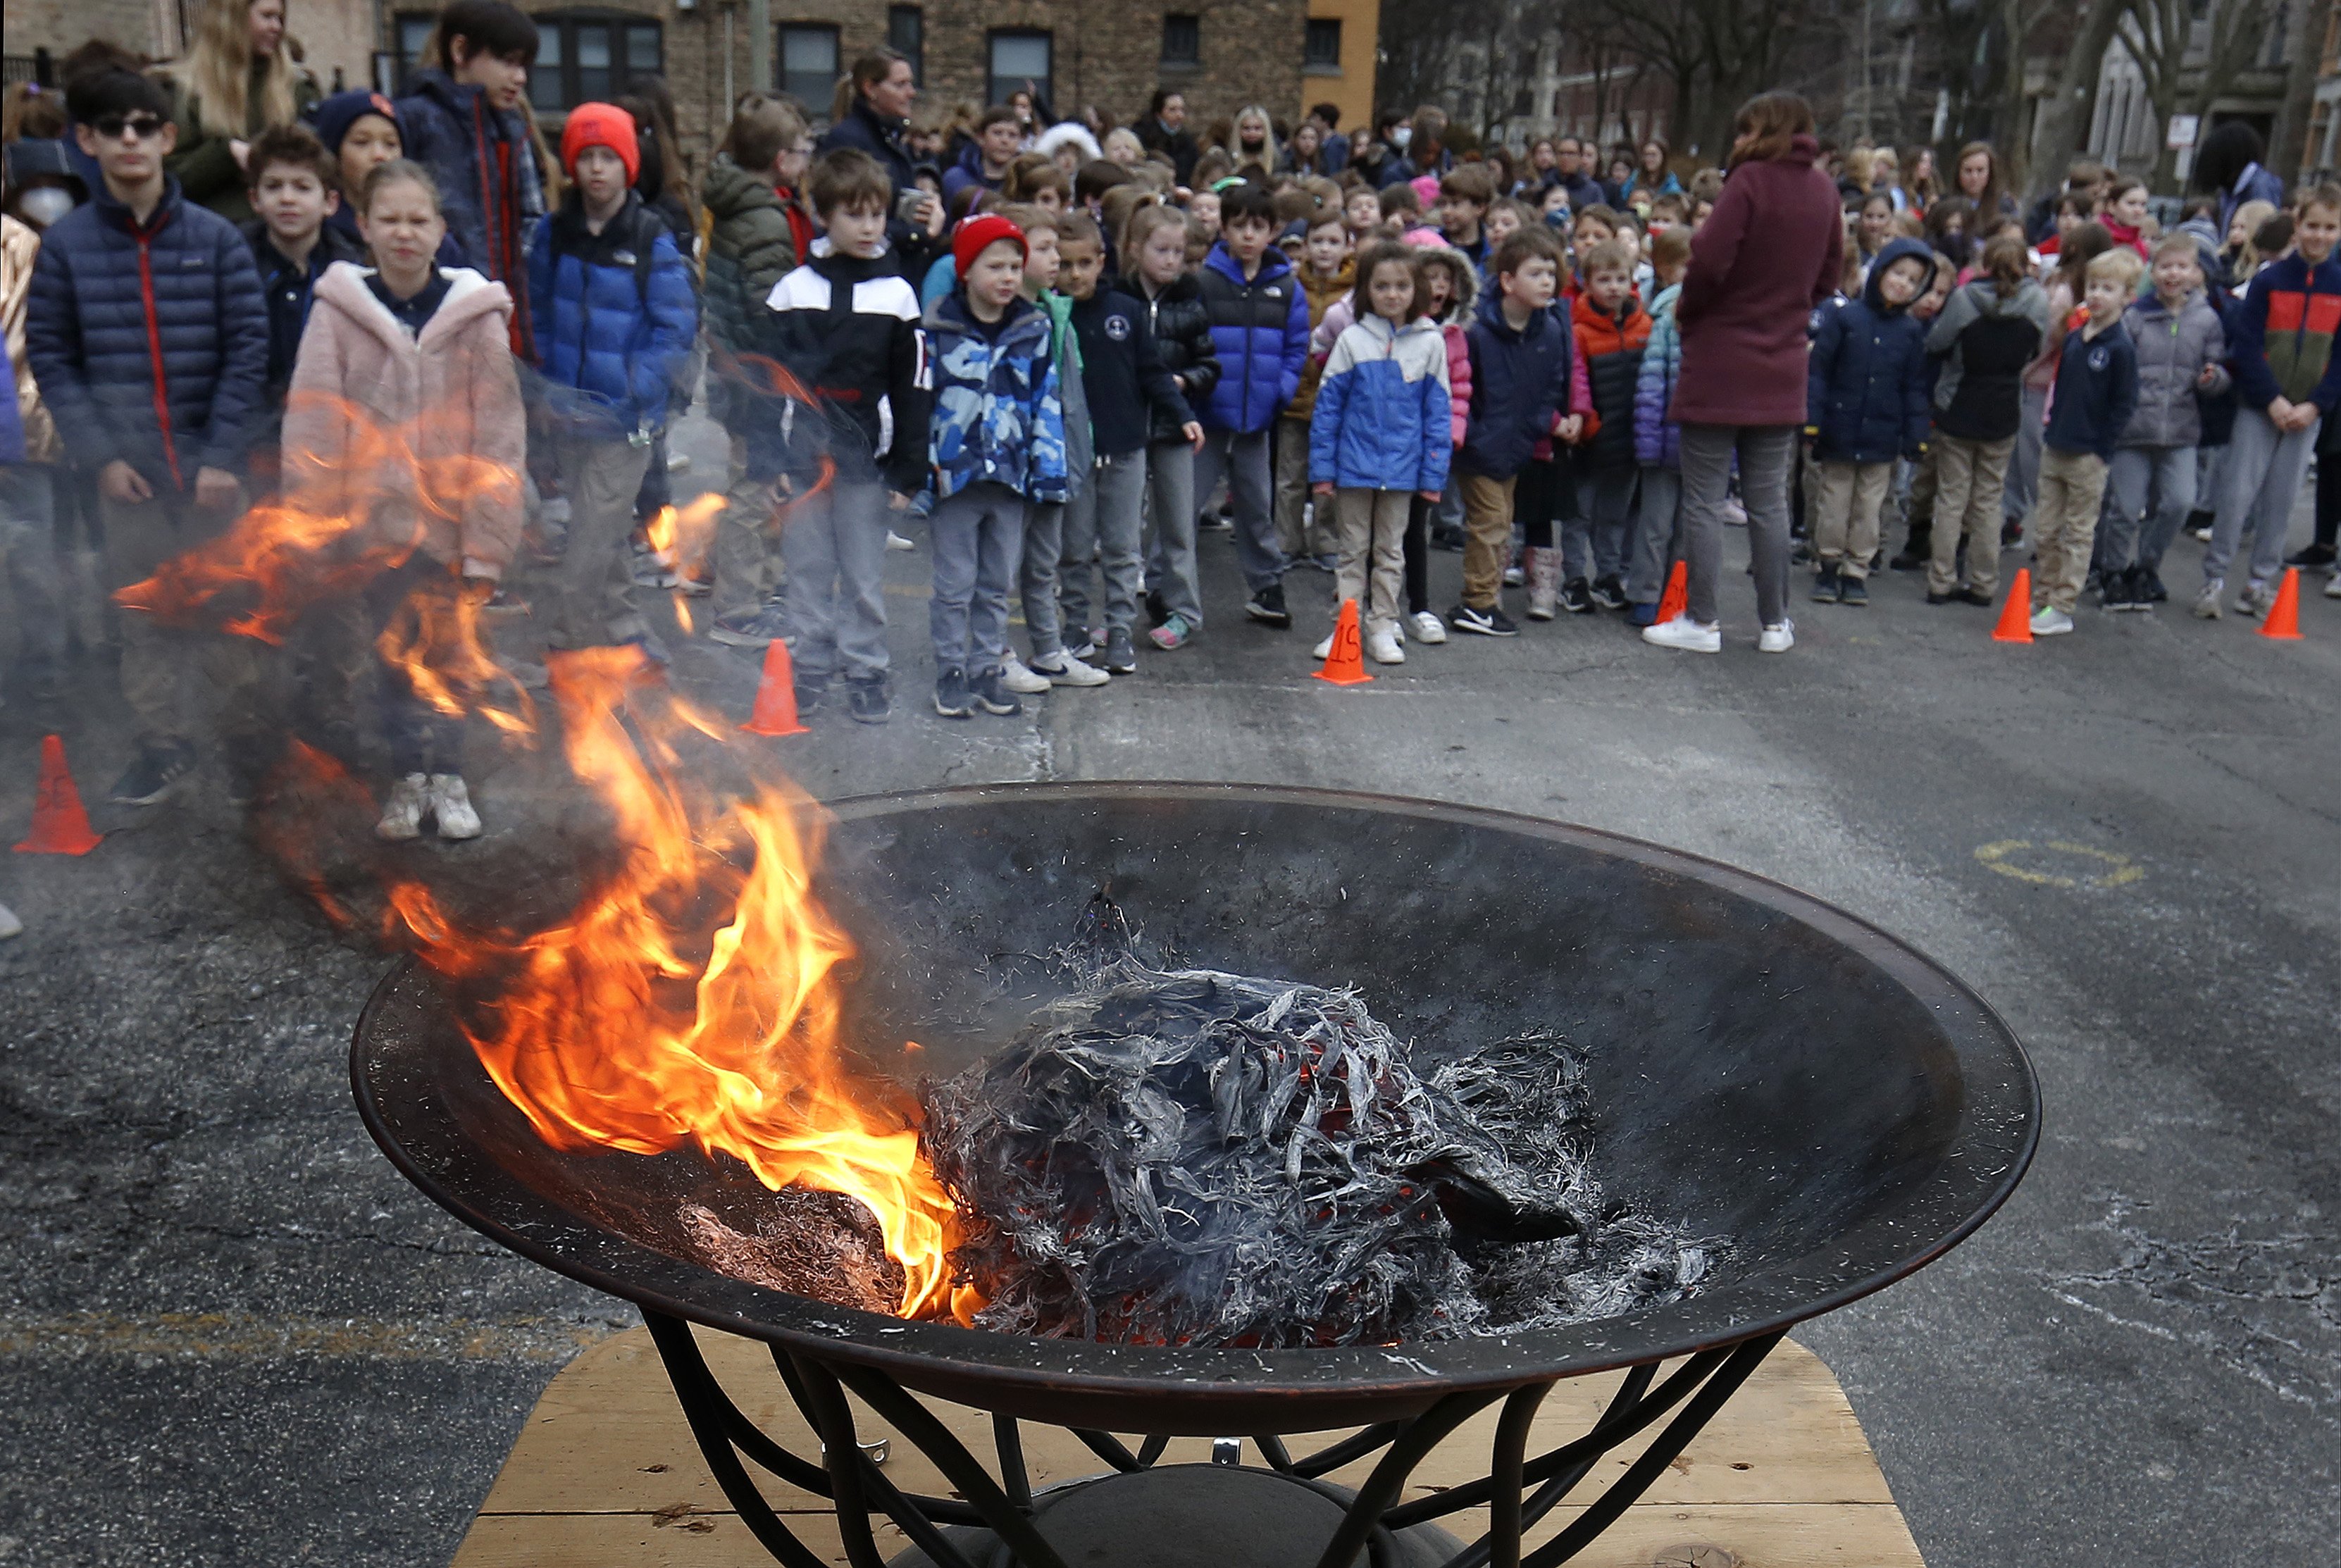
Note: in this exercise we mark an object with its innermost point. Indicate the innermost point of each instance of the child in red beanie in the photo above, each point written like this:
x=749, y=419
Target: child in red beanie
x=615, y=319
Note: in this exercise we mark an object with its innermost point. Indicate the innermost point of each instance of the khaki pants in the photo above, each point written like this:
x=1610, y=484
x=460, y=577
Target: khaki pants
x=747, y=551
x=1373, y=539
x=1968, y=477
x=1317, y=536
x=2064, y=525
x=590, y=601
x=1488, y=538
x=164, y=668
x=1845, y=515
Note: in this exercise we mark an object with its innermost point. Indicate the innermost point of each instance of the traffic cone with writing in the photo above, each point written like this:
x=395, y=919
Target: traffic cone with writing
x=2016, y=616
x=776, y=696
x=2284, y=615
x=1675, y=602
x=1345, y=664
x=60, y=826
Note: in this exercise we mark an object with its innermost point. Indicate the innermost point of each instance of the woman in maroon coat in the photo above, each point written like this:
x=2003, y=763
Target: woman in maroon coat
x=1770, y=252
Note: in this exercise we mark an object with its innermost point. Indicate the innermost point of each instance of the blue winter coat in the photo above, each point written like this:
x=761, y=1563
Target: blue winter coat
x=2096, y=392
x=118, y=313
x=613, y=342
x=1519, y=379
x=997, y=414
x=484, y=163
x=1657, y=439
x=1260, y=330
x=1866, y=384
x=1382, y=419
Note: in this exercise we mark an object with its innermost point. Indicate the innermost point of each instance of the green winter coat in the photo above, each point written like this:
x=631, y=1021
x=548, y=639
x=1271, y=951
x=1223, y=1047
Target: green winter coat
x=750, y=248
x=205, y=164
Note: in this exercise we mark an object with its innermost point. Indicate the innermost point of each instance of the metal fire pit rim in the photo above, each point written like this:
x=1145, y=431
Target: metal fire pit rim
x=926, y=1353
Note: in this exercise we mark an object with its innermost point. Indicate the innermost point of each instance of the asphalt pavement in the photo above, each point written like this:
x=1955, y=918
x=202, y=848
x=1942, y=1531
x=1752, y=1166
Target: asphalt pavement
x=231, y=1333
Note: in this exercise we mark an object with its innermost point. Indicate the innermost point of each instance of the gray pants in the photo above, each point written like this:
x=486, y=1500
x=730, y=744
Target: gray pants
x=1656, y=534
x=2149, y=490
x=164, y=668
x=979, y=537
x=1597, y=533
x=2262, y=478
x=28, y=554
x=1242, y=457
x=1104, y=521
x=2023, y=485
x=1765, y=452
x=835, y=546
x=1037, y=573
x=1170, y=560
x=590, y=597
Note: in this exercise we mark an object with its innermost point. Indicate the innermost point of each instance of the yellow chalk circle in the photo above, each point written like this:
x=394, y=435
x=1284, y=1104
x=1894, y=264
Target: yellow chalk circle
x=2009, y=856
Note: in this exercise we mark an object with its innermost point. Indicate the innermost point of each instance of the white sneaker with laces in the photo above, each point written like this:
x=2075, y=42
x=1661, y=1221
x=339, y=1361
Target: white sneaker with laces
x=2050, y=621
x=1070, y=670
x=1428, y=628
x=1021, y=680
x=2206, y=603
x=896, y=541
x=1686, y=634
x=1777, y=638
x=1382, y=648
x=1323, y=650
x=451, y=802
x=402, y=814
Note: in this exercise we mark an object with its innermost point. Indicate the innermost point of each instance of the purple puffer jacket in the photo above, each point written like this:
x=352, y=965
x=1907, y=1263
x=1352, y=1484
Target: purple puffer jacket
x=1657, y=439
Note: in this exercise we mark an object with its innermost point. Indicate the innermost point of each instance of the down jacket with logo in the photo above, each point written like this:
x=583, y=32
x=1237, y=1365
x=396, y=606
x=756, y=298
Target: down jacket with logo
x=149, y=342
x=847, y=329
x=613, y=342
x=1382, y=419
x=1260, y=330
x=1866, y=380
x=997, y=417
x=2173, y=347
x=2283, y=336
x=1658, y=438
x=1181, y=324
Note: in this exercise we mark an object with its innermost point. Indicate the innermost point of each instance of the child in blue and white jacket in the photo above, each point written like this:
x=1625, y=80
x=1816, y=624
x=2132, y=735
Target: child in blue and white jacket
x=1657, y=439
x=997, y=447
x=1382, y=433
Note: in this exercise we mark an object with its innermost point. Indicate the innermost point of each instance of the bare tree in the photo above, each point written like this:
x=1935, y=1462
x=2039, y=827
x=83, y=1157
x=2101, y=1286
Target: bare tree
x=2160, y=36
x=2066, y=113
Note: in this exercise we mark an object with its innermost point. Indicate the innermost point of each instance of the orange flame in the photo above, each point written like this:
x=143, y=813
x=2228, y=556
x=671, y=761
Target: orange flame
x=692, y=997
x=435, y=637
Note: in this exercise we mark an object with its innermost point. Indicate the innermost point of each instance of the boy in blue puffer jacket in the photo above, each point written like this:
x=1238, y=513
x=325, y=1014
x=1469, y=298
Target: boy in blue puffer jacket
x=148, y=335
x=1865, y=405
x=1381, y=435
x=1259, y=328
x=615, y=317
x=997, y=448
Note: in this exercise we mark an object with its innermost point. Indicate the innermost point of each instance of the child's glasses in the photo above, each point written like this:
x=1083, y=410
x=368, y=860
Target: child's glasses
x=116, y=127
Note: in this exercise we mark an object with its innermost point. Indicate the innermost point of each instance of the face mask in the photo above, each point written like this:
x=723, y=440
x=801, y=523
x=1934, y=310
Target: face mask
x=45, y=204
x=1401, y=137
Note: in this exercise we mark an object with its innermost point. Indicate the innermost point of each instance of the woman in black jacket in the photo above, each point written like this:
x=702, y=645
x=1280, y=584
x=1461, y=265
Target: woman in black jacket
x=1156, y=249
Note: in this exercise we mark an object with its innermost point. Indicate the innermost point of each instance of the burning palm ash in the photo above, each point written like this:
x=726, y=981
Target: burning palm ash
x=1204, y=1159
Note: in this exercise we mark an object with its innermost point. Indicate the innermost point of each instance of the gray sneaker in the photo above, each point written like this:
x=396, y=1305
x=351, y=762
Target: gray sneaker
x=1121, y=654
x=756, y=629
x=2255, y=599
x=2206, y=603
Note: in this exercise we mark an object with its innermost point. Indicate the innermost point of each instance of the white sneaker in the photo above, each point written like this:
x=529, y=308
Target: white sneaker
x=402, y=814
x=2256, y=599
x=451, y=802
x=1323, y=650
x=896, y=541
x=1019, y=679
x=1686, y=634
x=1777, y=638
x=9, y=925
x=1428, y=628
x=2333, y=586
x=2206, y=603
x=1070, y=670
x=1382, y=648
x=2050, y=621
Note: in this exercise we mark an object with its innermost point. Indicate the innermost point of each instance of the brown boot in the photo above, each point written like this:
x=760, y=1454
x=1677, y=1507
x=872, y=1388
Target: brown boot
x=1544, y=581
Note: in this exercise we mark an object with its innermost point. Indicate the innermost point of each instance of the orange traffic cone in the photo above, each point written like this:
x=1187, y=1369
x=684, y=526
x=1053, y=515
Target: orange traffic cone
x=60, y=827
x=1675, y=603
x=2016, y=616
x=2284, y=615
x=776, y=696
x=1345, y=665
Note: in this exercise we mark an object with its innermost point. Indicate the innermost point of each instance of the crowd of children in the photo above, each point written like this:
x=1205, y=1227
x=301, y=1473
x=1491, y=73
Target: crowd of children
x=1046, y=356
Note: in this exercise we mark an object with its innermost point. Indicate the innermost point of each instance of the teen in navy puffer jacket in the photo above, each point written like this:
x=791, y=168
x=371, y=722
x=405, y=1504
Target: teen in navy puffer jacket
x=484, y=160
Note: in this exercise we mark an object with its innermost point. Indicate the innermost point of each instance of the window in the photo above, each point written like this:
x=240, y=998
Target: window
x=1019, y=56
x=808, y=64
x=413, y=33
x=906, y=35
x=1320, y=53
x=1183, y=40
x=589, y=58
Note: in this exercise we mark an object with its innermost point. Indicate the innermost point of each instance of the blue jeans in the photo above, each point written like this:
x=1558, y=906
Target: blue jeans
x=1243, y=456
x=979, y=538
x=835, y=548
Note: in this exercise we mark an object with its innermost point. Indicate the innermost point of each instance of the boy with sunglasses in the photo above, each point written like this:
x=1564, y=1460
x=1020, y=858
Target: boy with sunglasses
x=149, y=338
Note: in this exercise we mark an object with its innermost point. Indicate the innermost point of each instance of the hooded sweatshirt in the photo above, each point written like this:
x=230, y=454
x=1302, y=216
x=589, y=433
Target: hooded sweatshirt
x=1866, y=393
x=1985, y=340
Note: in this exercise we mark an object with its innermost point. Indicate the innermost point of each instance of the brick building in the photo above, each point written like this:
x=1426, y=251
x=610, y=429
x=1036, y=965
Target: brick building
x=335, y=38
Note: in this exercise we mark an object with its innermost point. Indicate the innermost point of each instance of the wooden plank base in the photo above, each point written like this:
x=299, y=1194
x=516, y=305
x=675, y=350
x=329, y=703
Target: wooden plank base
x=605, y=1473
